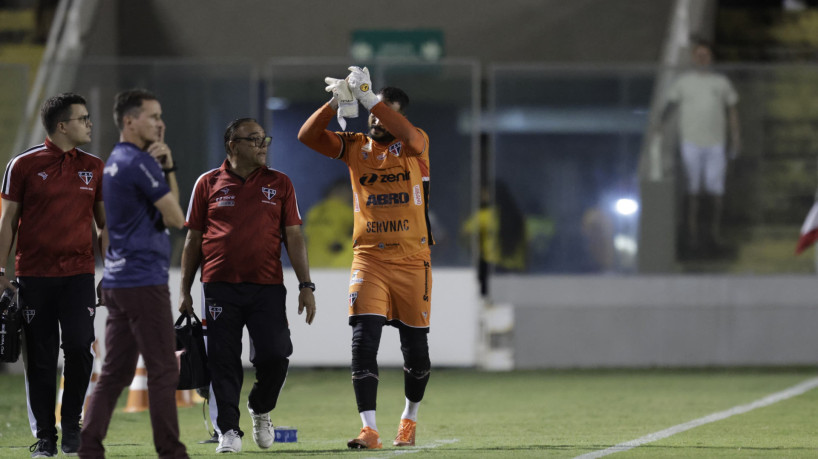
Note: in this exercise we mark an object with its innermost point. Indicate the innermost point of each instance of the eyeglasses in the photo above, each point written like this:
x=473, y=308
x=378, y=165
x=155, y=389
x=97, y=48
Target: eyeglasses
x=257, y=142
x=82, y=119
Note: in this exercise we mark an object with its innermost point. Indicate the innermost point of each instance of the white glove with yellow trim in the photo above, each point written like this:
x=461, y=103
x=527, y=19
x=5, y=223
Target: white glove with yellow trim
x=361, y=86
x=347, y=105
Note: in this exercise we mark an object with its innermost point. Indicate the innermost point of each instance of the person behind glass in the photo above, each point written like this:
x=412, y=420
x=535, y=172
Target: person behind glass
x=238, y=217
x=391, y=273
x=142, y=201
x=707, y=104
x=51, y=199
x=328, y=227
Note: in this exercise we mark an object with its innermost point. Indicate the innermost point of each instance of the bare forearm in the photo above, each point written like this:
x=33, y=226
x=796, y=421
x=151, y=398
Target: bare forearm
x=6, y=241
x=297, y=250
x=173, y=184
x=9, y=219
x=191, y=260
x=102, y=240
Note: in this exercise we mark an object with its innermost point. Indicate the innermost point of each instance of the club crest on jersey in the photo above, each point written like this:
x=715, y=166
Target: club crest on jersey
x=395, y=149
x=43, y=175
x=225, y=190
x=215, y=311
x=91, y=311
x=86, y=176
x=29, y=313
x=268, y=192
x=352, y=297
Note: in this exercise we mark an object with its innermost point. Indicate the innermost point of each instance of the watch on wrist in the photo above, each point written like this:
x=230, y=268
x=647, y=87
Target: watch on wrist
x=308, y=285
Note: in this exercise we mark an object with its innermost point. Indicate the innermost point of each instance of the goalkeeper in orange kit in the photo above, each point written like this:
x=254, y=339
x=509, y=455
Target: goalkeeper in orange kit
x=391, y=275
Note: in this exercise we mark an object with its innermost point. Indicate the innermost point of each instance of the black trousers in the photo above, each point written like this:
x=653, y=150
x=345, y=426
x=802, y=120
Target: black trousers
x=57, y=309
x=228, y=309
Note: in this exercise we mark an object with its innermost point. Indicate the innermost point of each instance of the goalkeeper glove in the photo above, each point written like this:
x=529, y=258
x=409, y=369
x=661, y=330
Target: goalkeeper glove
x=347, y=106
x=360, y=84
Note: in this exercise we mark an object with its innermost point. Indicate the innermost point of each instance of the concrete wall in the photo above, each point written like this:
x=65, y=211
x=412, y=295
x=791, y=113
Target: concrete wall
x=326, y=343
x=667, y=321
x=582, y=321
x=507, y=31
x=452, y=340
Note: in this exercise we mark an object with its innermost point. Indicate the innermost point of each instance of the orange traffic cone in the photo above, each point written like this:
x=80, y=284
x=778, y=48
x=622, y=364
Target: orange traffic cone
x=94, y=378
x=198, y=398
x=184, y=398
x=59, y=400
x=138, y=391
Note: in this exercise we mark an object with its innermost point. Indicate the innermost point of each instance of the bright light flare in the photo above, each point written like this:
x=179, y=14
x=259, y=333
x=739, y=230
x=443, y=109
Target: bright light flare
x=626, y=206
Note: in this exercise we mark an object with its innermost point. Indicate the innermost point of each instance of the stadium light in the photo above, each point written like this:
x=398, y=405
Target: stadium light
x=626, y=206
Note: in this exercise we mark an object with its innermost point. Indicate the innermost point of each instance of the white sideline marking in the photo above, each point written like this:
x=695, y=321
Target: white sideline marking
x=797, y=389
x=417, y=449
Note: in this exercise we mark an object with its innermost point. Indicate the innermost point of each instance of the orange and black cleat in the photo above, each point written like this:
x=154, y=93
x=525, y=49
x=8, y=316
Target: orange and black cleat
x=367, y=439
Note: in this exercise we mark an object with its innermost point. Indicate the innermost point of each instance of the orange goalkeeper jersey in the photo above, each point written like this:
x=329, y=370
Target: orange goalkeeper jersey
x=390, y=192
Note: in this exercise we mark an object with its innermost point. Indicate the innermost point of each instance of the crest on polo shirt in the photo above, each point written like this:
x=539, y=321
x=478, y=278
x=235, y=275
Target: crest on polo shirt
x=395, y=149
x=268, y=192
x=86, y=176
x=29, y=313
x=214, y=311
x=352, y=297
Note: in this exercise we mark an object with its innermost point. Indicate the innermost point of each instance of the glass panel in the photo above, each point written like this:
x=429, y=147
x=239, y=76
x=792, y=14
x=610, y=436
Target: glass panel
x=566, y=147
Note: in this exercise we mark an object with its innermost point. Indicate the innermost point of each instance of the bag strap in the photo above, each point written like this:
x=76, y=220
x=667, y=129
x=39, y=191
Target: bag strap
x=186, y=317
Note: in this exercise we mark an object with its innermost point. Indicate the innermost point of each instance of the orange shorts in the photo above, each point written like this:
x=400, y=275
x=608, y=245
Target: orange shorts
x=400, y=290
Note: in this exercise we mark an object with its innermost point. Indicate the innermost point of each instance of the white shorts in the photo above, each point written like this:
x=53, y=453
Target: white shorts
x=704, y=163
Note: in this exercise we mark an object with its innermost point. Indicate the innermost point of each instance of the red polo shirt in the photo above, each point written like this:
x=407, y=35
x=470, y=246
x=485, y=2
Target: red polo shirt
x=56, y=191
x=242, y=222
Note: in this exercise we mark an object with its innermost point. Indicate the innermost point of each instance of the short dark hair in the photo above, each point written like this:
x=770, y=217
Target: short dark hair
x=128, y=102
x=393, y=94
x=58, y=108
x=232, y=127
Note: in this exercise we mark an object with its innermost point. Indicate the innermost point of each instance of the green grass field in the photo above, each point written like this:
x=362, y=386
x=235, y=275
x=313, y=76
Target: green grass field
x=470, y=413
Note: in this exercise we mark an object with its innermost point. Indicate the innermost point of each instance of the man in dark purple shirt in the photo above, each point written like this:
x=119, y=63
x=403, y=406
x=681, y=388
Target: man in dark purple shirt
x=143, y=197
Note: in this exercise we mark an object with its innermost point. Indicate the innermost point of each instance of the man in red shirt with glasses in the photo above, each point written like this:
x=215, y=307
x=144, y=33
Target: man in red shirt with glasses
x=52, y=199
x=238, y=217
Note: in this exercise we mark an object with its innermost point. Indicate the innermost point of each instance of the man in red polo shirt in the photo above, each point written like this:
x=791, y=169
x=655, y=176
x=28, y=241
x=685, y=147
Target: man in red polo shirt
x=52, y=196
x=239, y=216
